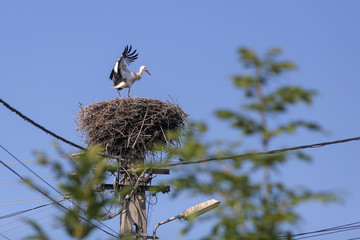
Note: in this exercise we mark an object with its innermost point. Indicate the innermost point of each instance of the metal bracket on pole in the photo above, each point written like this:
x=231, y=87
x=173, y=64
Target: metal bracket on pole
x=163, y=189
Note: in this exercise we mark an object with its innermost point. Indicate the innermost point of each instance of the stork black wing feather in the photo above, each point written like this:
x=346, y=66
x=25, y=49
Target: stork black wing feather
x=119, y=70
x=132, y=58
x=118, y=80
x=130, y=54
x=115, y=74
x=111, y=74
x=125, y=50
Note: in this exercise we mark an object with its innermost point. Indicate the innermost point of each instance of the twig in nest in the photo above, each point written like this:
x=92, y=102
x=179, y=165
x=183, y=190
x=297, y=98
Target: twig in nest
x=142, y=125
x=167, y=143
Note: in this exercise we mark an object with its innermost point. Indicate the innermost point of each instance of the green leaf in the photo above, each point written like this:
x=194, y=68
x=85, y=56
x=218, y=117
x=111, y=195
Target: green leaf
x=249, y=57
x=225, y=114
x=282, y=98
x=279, y=67
x=243, y=81
x=273, y=52
x=292, y=126
x=247, y=124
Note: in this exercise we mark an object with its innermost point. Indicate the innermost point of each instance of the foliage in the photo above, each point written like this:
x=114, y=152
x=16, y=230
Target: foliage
x=79, y=182
x=254, y=205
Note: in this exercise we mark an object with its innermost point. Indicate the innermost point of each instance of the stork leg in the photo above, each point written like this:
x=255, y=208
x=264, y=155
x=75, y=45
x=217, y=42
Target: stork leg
x=129, y=92
x=118, y=92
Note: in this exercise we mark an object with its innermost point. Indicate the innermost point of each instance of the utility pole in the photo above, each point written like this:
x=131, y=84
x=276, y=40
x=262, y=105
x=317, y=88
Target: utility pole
x=133, y=218
x=133, y=186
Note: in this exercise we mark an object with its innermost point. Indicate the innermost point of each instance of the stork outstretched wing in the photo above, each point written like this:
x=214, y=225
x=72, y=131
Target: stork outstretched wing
x=126, y=57
x=129, y=56
x=120, y=72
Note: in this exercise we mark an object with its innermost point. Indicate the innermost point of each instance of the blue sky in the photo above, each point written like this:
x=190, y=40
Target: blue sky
x=55, y=55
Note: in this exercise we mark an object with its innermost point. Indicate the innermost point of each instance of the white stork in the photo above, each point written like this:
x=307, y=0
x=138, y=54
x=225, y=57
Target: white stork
x=121, y=75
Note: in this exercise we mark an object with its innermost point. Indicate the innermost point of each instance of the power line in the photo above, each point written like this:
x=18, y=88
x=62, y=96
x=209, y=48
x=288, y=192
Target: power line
x=38, y=189
x=27, y=200
x=277, y=151
x=56, y=176
x=27, y=216
x=25, y=223
x=16, y=181
x=27, y=210
x=4, y=236
x=40, y=223
x=39, y=126
x=48, y=131
x=56, y=227
x=45, y=194
x=9, y=163
x=327, y=233
x=322, y=232
x=25, y=226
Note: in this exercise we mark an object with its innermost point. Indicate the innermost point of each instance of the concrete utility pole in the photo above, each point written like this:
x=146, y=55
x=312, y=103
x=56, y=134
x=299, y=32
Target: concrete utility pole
x=133, y=218
x=133, y=186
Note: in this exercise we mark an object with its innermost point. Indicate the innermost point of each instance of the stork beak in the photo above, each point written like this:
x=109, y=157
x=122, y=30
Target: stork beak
x=147, y=71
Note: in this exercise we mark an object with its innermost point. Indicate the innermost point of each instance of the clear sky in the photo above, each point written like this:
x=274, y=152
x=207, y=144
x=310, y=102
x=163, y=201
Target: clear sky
x=54, y=56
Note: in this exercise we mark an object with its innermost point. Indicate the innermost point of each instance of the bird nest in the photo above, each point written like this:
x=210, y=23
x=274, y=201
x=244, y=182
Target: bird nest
x=130, y=127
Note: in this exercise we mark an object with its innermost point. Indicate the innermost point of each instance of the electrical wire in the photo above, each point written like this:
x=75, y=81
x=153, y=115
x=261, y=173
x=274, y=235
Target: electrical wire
x=23, y=217
x=57, y=176
x=57, y=227
x=27, y=210
x=26, y=224
x=9, y=163
x=277, y=151
x=322, y=232
x=327, y=233
x=127, y=199
x=46, y=130
x=45, y=194
x=4, y=236
x=27, y=200
x=39, y=126
x=17, y=181
x=16, y=220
